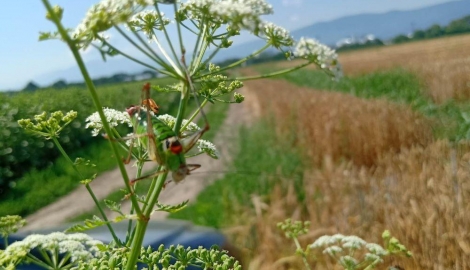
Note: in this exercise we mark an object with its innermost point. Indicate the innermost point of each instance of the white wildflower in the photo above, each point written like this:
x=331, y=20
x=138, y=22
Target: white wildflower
x=238, y=14
x=113, y=117
x=353, y=242
x=170, y=121
x=348, y=262
x=104, y=15
x=208, y=148
x=147, y=21
x=318, y=53
x=376, y=249
x=374, y=258
x=326, y=240
x=333, y=250
x=79, y=246
x=276, y=35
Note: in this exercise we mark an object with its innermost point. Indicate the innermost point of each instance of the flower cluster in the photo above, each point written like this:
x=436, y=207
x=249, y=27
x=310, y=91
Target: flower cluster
x=170, y=121
x=237, y=14
x=318, y=53
x=208, y=148
x=277, y=36
x=147, y=21
x=75, y=247
x=344, y=248
x=104, y=15
x=10, y=224
x=48, y=127
x=113, y=117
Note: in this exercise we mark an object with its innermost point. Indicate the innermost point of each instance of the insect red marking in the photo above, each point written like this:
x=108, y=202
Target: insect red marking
x=176, y=147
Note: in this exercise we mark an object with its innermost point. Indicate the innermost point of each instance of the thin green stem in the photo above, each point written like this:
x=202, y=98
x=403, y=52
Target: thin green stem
x=273, y=74
x=91, y=87
x=213, y=54
x=87, y=186
x=182, y=107
x=174, y=66
x=64, y=260
x=37, y=261
x=304, y=258
x=202, y=49
x=140, y=166
x=156, y=56
x=234, y=64
x=135, y=44
x=5, y=241
x=55, y=256
x=195, y=50
x=45, y=256
x=180, y=36
x=165, y=32
x=142, y=222
x=130, y=57
x=195, y=114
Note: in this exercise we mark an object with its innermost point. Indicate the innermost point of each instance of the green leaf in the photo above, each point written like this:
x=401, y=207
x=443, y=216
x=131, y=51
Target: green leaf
x=113, y=206
x=171, y=208
x=88, y=225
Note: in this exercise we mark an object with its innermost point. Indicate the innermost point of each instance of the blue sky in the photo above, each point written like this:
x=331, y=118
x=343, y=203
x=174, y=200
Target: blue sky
x=24, y=58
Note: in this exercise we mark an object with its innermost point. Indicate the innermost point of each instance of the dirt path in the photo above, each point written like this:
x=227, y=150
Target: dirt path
x=79, y=201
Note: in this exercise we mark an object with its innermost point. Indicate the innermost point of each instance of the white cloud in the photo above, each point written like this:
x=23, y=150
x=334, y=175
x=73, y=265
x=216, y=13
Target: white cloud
x=292, y=3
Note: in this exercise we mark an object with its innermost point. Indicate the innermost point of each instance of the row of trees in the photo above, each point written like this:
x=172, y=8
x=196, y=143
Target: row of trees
x=116, y=78
x=455, y=27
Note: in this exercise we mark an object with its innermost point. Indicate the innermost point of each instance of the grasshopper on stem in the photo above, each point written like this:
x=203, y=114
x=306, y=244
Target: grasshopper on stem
x=163, y=145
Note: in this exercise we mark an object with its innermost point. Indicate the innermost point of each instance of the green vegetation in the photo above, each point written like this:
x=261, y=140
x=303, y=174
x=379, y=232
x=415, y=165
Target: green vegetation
x=38, y=188
x=25, y=159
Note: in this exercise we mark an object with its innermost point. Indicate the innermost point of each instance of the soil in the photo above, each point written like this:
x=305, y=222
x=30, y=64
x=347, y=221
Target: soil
x=79, y=200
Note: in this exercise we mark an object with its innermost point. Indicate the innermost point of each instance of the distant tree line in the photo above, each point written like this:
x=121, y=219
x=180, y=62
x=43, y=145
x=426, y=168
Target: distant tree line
x=455, y=27
x=116, y=78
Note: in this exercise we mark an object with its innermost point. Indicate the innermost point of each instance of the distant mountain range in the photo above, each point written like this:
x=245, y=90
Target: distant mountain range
x=383, y=26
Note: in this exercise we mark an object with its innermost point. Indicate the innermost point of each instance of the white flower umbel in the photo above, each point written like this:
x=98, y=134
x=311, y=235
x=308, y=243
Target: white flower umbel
x=237, y=14
x=315, y=52
x=113, y=117
x=276, y=36
x=353, y=242
x=71, y=247
x=351, y=252
x=170, y=121
x=208, y=148
x=327, y=240
x=147, y=21
x=376, y=249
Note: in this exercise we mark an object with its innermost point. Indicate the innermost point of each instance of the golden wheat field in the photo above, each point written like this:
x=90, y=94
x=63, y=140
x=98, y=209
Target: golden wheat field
x=443, y=63
x=375, y=164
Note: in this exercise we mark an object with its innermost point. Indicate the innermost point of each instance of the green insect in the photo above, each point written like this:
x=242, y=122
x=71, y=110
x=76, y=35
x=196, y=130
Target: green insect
x=163, y=145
